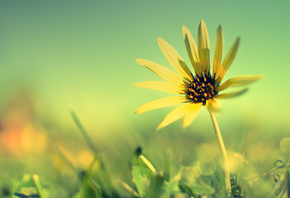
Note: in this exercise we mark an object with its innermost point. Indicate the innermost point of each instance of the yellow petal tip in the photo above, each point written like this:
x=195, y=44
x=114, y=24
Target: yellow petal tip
x=184, y=28
x=139, y=61
x=260, y=76
x=160, y=39
x=202, y=24
x=161, y=42
x=159, y=127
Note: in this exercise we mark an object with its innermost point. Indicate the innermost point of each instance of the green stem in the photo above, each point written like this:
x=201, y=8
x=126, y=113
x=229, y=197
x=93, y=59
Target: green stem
x=36, y=182
x=84, y=133
x=223, y=152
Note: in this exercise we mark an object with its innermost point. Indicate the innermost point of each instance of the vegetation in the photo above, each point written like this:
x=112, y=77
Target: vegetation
x=140, y=172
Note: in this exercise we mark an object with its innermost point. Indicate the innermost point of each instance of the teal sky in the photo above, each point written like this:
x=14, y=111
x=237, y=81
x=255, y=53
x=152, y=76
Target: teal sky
x=81, y=55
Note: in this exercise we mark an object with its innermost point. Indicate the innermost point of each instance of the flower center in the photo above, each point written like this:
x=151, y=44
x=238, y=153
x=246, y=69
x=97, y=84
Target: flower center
x=200, y=89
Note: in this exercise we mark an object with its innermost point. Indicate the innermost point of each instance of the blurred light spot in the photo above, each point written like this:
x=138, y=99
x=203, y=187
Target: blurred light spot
x=285, y=145
x=206, y=167
x=20, y=133
x=85, y=158
x=235, y=160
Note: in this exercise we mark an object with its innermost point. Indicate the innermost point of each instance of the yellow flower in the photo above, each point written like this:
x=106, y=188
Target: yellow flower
x=194, y=89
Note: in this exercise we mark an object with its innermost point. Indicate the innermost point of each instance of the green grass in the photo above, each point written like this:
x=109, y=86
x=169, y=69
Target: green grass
x=164, y=164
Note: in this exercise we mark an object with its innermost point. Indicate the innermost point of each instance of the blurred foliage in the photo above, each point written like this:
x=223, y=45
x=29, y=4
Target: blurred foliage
x=54, y=161
x=28, y=187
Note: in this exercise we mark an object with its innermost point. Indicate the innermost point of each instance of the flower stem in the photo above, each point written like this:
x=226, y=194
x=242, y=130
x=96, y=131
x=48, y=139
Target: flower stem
x=223, y=152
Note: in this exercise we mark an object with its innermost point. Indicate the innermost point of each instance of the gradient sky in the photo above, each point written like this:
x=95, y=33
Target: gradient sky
x=81, y=55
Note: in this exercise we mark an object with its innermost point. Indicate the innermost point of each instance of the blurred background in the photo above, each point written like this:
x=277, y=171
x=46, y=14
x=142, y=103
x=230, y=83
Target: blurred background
x=57, y=57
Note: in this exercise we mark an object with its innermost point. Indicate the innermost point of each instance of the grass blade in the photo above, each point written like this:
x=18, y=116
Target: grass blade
x=84, y=133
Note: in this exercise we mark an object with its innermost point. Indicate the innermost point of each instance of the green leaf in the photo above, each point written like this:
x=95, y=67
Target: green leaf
x=156, y=188
x=186, y=189
x=29, y=186
x=195, y=190
x=142, y=177
x=280, y=163
x=167, y=165
x=128, y=188
x=287, y=174
x=202, y=189
x=173, y=185
x=88, y=190
x=100, y=176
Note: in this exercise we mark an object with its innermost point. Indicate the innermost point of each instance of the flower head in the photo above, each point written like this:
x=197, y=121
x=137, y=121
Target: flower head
x=201, y=88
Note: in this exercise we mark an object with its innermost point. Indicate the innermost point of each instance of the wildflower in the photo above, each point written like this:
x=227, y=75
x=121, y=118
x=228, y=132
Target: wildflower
x=201, y=88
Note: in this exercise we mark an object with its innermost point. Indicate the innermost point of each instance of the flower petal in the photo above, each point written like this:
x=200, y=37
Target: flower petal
x=228, y=60
x=160, y=86
x=160, y=103
x=193, y=111
x=230, y=95
x=174, y=115
x=238, y=81
x=218, y=52
x=213, y=105
x=203, y=46
x=191, y=50
x=161, y=71
x=174, y=59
